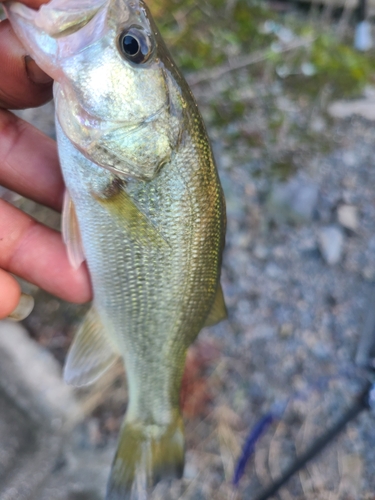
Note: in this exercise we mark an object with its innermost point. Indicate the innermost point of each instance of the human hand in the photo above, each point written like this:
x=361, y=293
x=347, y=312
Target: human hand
x=29, y=165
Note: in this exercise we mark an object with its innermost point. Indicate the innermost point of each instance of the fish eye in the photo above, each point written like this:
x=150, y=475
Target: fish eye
x=135, y=45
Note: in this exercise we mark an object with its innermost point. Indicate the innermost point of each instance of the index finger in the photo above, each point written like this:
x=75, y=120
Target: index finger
x=37, y=254
x=29, y=162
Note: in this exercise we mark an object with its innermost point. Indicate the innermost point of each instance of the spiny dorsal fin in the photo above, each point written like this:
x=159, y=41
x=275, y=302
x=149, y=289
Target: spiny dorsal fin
x=71, y=233
x=91, y=352
x=218, y=311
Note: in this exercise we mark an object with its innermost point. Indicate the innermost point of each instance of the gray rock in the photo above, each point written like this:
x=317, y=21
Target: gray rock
x=318, y=124
x=37, y=411
x=41, y=427
x=347, y=216
x=83, y=475
x=260, y=251
x=346, y=109
x=273, y=271
x=46, y=396
x=331, y=244
x=286, y=330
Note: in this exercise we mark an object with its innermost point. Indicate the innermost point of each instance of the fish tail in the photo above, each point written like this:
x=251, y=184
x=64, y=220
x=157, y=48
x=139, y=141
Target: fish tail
x=145, y=455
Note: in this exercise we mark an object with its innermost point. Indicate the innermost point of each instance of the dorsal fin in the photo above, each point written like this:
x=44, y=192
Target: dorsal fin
x=218, y=311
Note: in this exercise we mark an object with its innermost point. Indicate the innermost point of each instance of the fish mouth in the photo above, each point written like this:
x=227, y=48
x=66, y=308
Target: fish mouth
x=57, y=19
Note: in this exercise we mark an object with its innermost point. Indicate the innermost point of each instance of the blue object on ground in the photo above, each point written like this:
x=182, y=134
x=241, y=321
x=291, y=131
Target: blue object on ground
x=363, y=39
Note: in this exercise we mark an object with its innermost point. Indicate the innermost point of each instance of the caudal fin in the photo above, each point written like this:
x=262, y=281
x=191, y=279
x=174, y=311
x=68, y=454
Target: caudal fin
x=145, y=455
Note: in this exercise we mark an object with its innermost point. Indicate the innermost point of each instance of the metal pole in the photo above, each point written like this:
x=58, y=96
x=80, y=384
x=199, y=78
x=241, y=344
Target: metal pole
x=361, y=403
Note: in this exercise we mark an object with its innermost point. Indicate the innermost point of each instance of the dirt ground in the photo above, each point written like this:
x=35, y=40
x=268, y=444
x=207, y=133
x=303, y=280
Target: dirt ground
x=298, y=278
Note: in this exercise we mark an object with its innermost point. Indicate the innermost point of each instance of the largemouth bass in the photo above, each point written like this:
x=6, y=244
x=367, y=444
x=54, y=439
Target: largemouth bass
x=144, y=207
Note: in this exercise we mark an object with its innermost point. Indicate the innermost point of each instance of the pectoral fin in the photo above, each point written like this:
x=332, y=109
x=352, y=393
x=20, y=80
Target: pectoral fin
x=71, y=233
x=218, y=311
x=91, y=352
x=121, y=206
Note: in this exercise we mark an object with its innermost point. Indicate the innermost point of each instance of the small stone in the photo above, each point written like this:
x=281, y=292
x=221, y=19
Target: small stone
x=348, y=216
x=318, y=125
x=286, y=330
x=345, y=109
x=321, y=351
x=190, y=472
x=263, y=331
x=349, y=181
x=369, y=92
x=308, y=69
x=368, y=273
x=242, y=240
x=280, y=251
x=273, y=271
x=331, y=244
x=349, y=159
x=260, y=251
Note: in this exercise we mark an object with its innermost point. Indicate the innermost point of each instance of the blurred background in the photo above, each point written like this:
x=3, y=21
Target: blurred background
x=287, y=91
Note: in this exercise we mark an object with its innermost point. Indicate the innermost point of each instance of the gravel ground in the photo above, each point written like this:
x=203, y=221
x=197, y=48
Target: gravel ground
x=298, y=277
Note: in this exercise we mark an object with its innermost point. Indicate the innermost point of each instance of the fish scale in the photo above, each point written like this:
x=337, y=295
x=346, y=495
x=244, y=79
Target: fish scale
x=144, y=207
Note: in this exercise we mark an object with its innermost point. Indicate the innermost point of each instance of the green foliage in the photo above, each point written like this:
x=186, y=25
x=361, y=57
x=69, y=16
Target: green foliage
x=205, y=34
x=227, y=109
x=346, y=69
x=332, y=62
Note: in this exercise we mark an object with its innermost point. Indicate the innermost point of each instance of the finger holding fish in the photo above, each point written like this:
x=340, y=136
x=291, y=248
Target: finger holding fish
x=22, y=82
x=27, y=155
x=36, y=253
x=10, y=293
x=27, y=248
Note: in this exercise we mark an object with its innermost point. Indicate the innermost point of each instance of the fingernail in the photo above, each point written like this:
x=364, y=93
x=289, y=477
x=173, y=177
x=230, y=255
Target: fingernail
x=36, y=74
x=24, y=308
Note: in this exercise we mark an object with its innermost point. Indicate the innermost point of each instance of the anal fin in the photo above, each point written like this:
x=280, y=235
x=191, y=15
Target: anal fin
x=71, y=233
x=91, y=352
x=218, y=311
